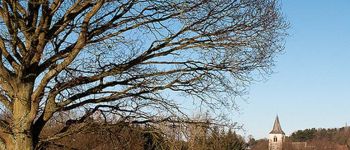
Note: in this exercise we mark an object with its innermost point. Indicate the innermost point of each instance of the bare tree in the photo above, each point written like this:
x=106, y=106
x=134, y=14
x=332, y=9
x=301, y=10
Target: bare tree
x=123, y=57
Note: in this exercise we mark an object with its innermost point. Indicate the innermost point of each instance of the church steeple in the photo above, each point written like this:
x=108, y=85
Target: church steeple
x=277, y=127
x=276, y=136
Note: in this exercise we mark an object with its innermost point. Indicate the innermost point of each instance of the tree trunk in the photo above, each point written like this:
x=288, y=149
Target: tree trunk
x=22, y=122
x=22, y=142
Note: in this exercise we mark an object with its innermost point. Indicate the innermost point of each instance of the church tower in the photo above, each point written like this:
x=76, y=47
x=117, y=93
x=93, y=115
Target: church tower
x=276, y=136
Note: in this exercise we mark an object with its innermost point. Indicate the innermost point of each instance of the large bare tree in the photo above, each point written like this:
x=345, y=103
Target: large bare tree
x=126, y=57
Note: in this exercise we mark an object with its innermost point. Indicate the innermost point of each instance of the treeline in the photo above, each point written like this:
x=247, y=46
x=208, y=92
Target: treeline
x=124, y=136
x=312, y=139
x=335, y=135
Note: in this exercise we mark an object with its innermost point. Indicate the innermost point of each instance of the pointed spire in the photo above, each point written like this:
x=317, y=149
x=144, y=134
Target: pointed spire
x=277, y=127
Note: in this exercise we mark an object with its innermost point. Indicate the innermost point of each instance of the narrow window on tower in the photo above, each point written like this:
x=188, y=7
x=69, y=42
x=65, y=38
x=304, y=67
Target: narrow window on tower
x=275, y=139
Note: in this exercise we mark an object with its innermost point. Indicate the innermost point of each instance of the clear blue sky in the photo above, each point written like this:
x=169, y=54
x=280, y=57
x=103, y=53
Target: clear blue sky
x=311, y=84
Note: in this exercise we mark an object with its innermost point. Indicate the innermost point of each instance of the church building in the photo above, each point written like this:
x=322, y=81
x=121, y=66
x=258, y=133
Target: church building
x=277, y=141
x=276, y=136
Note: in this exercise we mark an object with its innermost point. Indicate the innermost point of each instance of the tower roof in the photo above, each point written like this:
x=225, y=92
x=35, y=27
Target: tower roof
x=277, y=127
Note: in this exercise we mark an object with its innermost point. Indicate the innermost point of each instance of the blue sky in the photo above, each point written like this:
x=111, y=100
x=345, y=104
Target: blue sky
x=310, y=86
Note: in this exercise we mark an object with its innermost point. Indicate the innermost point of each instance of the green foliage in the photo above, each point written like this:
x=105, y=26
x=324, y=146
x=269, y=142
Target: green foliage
x=303, y=135
x=154, y=140
x=225, y=140
x=340, y=136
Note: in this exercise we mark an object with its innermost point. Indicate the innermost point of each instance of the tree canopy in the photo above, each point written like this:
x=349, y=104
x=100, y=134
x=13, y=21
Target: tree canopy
x=121, y=58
